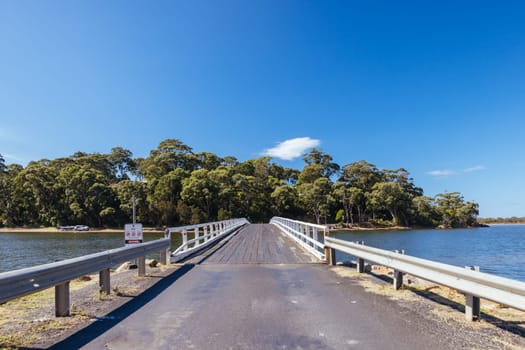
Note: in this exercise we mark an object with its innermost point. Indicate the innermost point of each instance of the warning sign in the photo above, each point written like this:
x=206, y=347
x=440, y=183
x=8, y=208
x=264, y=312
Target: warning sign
x=133, y=233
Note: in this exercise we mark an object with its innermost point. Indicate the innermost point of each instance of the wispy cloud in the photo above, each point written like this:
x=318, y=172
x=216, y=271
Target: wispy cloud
x=474, y=168
x=441, y=172
x=447, y=172
x=291, y=149
x=12, y=158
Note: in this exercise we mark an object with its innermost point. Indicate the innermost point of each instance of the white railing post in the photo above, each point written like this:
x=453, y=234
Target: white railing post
x=185, y=239
x=197, y=239
x=165, y=253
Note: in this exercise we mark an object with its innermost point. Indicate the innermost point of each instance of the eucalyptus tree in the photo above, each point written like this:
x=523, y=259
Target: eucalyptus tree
x=170, y=154
x=121, y=163
x=425, y=213
x=40, y=196
x=200, y=192
x=3, y=167
x=342, y=194
x=284, y=201
x=362, y=176
x=324, y=160
x=313, y=197
x=164, y=195
x=454, y=211
x=86, y=194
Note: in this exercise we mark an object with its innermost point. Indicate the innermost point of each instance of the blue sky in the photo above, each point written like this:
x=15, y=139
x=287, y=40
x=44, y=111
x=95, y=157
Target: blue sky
x=434, y=87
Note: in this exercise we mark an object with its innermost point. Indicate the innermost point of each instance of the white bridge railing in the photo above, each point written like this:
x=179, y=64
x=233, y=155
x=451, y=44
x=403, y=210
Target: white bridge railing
x=309, y=236
x=203, y=236
x=472, y=283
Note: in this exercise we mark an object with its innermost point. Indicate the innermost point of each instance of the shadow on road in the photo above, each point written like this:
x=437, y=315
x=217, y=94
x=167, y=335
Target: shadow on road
x=87, y=334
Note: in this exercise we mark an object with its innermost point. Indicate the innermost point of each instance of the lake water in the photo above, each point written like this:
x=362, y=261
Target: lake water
x=499, y=249
x=22, y=249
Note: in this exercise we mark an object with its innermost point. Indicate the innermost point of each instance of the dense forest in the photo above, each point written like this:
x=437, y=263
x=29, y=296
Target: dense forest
x=175, y=186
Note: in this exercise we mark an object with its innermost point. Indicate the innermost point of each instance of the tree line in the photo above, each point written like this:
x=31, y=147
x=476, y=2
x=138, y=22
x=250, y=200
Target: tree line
x=175, y=185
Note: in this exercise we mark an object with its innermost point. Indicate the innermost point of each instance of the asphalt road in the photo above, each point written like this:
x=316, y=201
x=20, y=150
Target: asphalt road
x=260, y=306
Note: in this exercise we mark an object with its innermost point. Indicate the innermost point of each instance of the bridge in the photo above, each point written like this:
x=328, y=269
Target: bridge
x=264, y=286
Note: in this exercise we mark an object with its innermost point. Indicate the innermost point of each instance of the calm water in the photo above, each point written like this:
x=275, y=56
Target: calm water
x=19, y=250
x=499, y=249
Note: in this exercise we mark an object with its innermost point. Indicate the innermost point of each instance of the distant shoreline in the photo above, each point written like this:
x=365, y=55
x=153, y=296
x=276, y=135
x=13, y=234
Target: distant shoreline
x=354, y=229
x=54, y=230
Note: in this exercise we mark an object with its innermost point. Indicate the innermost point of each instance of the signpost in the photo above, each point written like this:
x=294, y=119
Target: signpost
x=133, y=233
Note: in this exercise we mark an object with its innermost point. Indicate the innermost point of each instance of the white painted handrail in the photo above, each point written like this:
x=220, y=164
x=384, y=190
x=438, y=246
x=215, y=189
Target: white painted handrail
x=304, y=233
x=482, y=285
x=204, y=235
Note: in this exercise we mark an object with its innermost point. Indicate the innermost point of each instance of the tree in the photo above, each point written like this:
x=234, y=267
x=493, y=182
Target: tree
x=345, y=196
x=362, y=176
x=200, y=192
x=121, y=162
x=314, y=197
x=284, y=200
x=3, y=167
x=165, y=195
x=324, y=160
x=454, y=211
x=389, y=196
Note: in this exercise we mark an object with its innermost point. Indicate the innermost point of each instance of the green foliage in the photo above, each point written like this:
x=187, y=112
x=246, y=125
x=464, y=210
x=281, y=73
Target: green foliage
x=174, y=185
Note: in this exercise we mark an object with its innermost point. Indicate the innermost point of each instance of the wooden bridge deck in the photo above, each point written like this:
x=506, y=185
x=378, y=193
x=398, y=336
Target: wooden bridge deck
x=257, y=244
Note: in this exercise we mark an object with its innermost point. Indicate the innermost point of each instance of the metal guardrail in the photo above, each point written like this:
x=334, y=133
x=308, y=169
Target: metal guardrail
x=305, y=234
x=204, y=236
x=473, y=283
x=17, y=283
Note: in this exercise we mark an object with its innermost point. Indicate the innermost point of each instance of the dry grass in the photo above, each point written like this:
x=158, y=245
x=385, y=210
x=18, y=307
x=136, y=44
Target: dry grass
x=30, y=320
x=447, y=300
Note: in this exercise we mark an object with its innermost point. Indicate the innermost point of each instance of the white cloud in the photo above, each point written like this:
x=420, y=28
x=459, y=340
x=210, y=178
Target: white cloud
x=474, y=168
x=444, y=173
x=12, y=157
x=291, y=149
x=441, y=172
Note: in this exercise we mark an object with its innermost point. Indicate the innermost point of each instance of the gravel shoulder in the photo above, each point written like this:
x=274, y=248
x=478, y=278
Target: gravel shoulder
x=500, y=327
x=29, y=322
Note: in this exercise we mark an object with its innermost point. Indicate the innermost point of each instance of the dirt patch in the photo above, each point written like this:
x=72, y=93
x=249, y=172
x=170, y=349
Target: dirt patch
x=30, y=321
x=500, y=327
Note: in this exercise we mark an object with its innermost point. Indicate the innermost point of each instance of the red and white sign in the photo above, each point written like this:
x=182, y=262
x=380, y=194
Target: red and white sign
x=133, y=233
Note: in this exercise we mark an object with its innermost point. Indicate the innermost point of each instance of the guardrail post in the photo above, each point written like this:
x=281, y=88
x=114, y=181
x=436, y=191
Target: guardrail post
x=104, y=281
x=62, y=300
x=472, y=303
x=398, y=276
x=360, y=265
x=142, y=265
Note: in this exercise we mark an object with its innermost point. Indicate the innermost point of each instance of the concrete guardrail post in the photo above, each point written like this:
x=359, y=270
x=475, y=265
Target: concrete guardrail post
x=104, y=281
x=62, y=300
x=472, y=303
